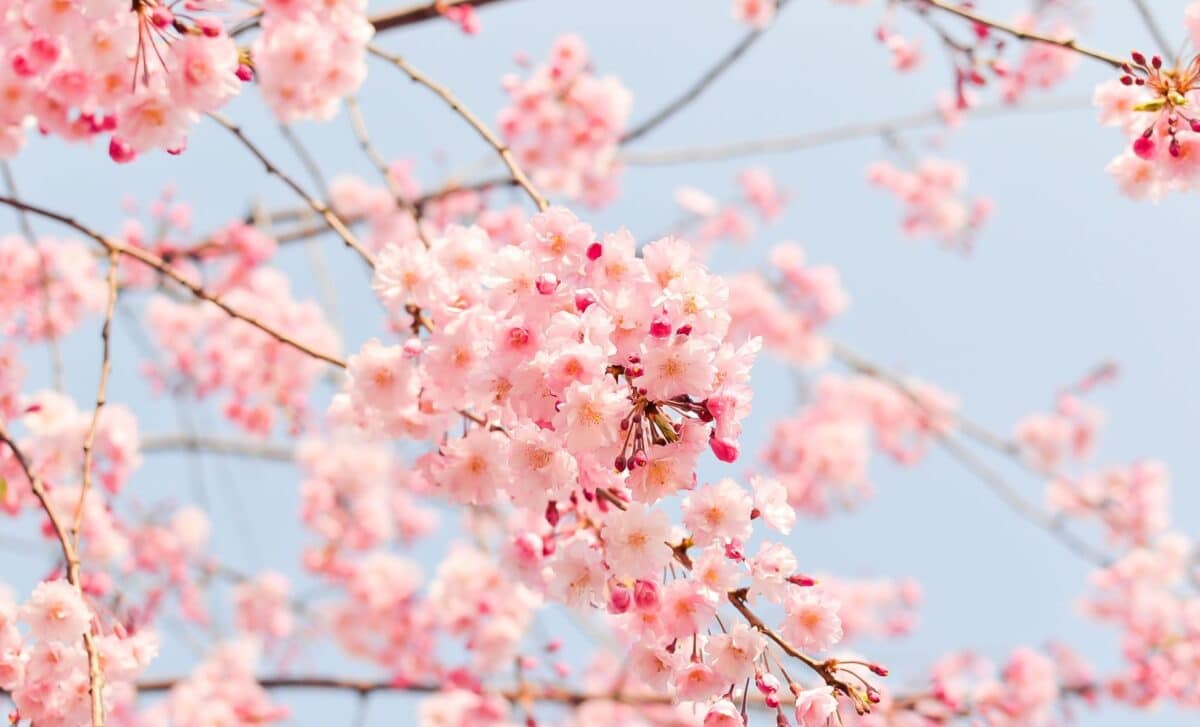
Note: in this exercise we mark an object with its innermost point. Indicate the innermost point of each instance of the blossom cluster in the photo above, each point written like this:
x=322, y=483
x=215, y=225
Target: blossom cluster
x=932, y=195
x=564, y=123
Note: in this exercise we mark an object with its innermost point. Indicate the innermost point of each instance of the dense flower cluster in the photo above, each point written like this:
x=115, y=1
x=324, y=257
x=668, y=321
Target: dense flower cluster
x=564, y=123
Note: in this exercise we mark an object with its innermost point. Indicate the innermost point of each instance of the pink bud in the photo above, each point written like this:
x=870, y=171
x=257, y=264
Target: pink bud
x=878, y=669
x=645, y=595
x=546, y=283
x=594, y=251
x=1144, y=147
x=684, y=330
x=210, y=26
x=528, y=547
x=552, y=513
x=584, y=300
x=660, y=327
x=245, y=73
x=725, y=450
x=771, y=699
x=802, y=580
x=733, y=551
x=518, y=336
x=162, y=16
x=619, y=599
x=120, y=151
x=413, y=347
x=766, y=682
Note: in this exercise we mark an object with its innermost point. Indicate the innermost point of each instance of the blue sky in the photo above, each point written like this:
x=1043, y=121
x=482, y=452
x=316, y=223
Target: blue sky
x=1065, y=275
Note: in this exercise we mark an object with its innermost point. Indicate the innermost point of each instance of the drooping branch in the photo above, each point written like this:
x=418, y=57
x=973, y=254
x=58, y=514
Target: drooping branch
x=967, y=13
x=965, y=457
x=157, y=263
x=70, y=556
x=331, y=218
x=701, y=84
x=1151, y=23
x=501, y=149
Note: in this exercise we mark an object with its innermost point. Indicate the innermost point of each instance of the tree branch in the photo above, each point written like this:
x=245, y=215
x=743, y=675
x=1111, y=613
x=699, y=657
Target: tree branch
x=488, y=136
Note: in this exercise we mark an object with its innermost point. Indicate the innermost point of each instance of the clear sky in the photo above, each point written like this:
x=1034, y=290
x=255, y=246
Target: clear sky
x=1067, y=274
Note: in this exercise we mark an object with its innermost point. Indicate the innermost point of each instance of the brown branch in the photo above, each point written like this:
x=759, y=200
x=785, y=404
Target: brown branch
x=419, y=13
x=335, y=223
x=995, y=482
x=1152, y=25
x=847, y=132
x=359, y=124
x=484, y=132
x=701, y=84
x=157, y=263
x=101, y=392
x=217, y=445
x=1069, y=43
x=71, y=559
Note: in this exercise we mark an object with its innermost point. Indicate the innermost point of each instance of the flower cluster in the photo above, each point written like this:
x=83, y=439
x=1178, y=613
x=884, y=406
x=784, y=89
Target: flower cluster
x=1153, y=104
x=206, y=351
x=310, y=55
x=564, y=123
x=142, y=75
x=46, y=286
x=932, y=195
x=821, y=454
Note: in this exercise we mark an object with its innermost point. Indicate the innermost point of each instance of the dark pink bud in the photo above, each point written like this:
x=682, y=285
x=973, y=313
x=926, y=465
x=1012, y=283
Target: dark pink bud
x=584, y=300
x=210, y=26
x=120, y=151
x=1156, y=62
x=1195, y=124
x=766, y=683
x=771, y=699
x=161, y=16
x=645, y=595
x=684, y=330
x=620, y=599
x=639, y=460
x=878, y=669
x=1144, y=147
x=873, y=695
x=245, y=73
x=546, y=283
x=619, y=464
x=1138, y=58
x=725, y=450
x=660, y=327
x=594, y=251
x=733, y=551
x=548, y=547
x=802, y=580
x=518, y=336
x=552, y=513
x=1174, y=148
x=21, y=65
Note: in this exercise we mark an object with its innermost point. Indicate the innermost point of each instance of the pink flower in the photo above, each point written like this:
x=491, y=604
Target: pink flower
x=815, y=707
x=811, y=621
x=635, y=541
x=719, y=512
x=723, y=713
x=734, y=654
x=56, y=612
x=755, y=13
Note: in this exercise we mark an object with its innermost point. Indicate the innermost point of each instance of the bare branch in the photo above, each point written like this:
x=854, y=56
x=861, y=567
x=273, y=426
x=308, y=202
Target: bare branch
x=1152, y=25
x=488, y=136
x=1068, y=43
x=846, y=132
x=152, y=260
x=693, y=92
x=335, y=223
x=167, y=443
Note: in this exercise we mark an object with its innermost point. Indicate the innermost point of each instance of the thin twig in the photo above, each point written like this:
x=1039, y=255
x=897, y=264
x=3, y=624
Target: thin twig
x=217, y=445
x=1156, y=31
x=846, y=132
x=155, y=262
x=1067, y=43
x=56, y=362
x=89, y=439
x=965, y=457
x=701, y=84
x=359, y=124
x=331, y=218
x=316, y=257
x=71, y=559
x=488, y=136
